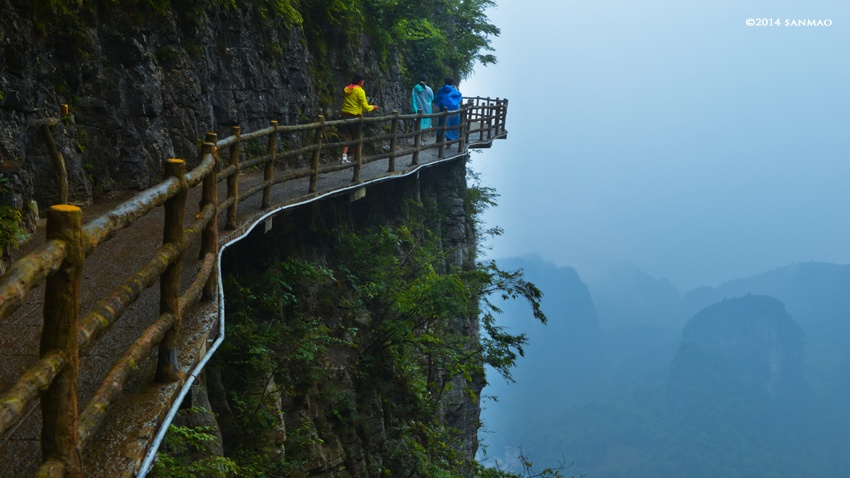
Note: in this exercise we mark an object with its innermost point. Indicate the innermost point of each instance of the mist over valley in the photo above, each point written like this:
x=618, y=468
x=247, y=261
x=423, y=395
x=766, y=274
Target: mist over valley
x=634, y=378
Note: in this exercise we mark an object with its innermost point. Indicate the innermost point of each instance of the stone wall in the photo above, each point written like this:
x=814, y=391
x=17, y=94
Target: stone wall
x=145, y=86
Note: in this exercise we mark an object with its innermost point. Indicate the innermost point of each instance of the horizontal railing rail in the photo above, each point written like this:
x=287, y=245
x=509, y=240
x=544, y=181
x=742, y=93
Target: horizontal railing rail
x=58, y=263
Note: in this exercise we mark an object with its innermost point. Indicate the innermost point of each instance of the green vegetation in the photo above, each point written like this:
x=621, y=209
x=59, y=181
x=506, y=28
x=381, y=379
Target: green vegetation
x=362, y=337
x=437, y=37
x=11, y=234
x=176, y=465
x=167, y=54
x=393, y=318
x=184, y=453
x=434, y=37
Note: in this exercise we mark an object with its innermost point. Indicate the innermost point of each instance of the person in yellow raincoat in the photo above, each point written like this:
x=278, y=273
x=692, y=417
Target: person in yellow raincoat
x=354, y=104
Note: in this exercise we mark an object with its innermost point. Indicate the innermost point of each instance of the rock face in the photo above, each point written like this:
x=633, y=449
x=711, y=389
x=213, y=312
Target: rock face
x=147, y=86
x=739, y=366
x=346, y=422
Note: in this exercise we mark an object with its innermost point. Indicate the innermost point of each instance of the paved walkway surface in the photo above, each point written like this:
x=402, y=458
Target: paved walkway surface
x=136, y=417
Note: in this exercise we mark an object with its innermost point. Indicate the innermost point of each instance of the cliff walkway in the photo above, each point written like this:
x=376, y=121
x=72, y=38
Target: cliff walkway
x=96, y=361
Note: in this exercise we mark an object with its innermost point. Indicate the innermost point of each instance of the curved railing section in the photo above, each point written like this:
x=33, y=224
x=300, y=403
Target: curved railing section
x=59, y=262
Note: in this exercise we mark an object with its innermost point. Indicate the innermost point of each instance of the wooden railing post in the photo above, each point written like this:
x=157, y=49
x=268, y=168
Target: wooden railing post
x=480, y=109
x=209, y=196
x=497, y=130
x=56, y=157
x=320, y=137
x=393, y=141
x=268, y=177
x=504, y=116
x=358, y=152
x=469, y=119
x=461, y=132
x=233, y=181
x=494, y=117
x=441, y=133
x=169, y=281
x=417, y=138
x=61, y=317
x=490, y=116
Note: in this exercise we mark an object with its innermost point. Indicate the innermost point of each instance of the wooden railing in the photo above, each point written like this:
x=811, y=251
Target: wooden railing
x=56, y=157
x=59, y=262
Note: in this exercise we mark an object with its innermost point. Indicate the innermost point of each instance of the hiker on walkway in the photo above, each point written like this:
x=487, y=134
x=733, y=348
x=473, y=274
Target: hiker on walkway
x=421, y=98
x=449, y=97
x=354, y=104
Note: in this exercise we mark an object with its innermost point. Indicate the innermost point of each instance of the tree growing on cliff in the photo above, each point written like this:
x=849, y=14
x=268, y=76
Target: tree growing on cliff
x=436, y=37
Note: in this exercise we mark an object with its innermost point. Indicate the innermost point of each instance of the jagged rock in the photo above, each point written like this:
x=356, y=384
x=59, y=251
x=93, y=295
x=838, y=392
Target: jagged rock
x=341, y=417
x=146, y=88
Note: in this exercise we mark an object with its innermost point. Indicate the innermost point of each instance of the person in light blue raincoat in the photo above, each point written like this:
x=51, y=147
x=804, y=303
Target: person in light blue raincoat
x=421, y=98
x=449, y=97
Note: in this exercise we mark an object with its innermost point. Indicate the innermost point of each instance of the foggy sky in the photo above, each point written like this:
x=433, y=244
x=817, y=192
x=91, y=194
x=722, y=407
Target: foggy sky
x=671, y=135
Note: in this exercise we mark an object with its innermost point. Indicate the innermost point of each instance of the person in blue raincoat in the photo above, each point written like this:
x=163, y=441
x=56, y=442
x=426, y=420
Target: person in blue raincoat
x=449, y=97
x=421, y=98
